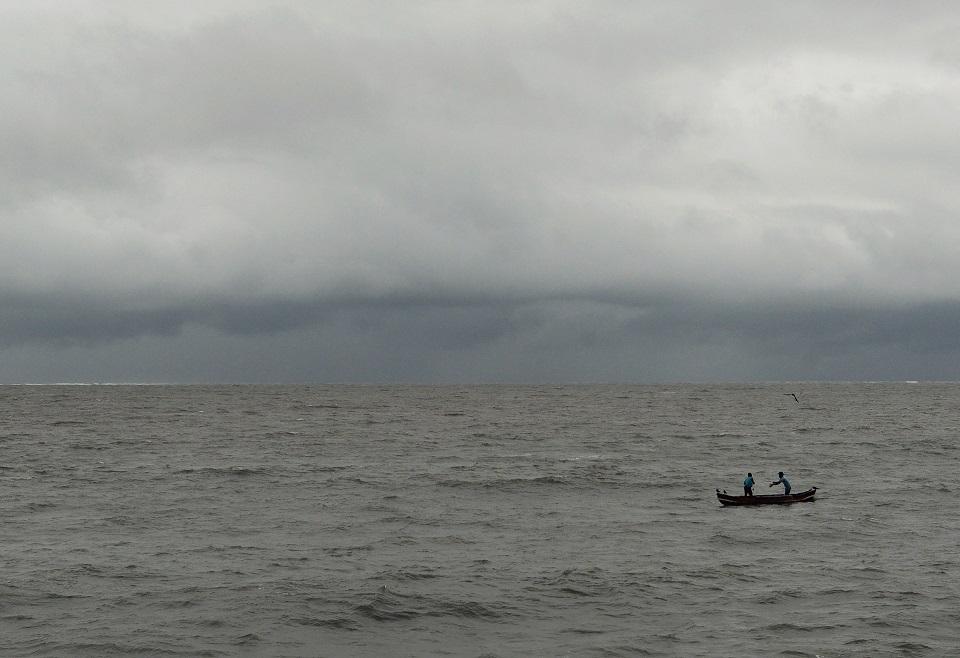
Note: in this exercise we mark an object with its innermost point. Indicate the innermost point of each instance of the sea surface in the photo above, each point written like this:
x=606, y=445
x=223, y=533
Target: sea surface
x=478, y=521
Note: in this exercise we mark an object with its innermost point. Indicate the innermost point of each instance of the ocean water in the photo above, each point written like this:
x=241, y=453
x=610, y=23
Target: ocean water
x=477, y=521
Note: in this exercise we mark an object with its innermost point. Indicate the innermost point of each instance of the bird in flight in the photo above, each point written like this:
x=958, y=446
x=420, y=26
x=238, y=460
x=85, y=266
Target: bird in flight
x=794, y=397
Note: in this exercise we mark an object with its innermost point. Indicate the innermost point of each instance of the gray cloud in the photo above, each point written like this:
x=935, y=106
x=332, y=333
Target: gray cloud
x=479, y=191
x=572, y=340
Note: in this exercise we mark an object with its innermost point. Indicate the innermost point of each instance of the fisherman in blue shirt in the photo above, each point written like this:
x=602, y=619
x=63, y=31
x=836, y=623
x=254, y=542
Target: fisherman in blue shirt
x=784, y=481
x=748, y=485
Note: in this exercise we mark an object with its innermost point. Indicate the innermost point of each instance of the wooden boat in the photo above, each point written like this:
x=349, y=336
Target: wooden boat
x=773, y=499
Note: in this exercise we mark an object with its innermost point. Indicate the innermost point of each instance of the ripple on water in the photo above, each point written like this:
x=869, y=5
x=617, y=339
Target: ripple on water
x=513, y=520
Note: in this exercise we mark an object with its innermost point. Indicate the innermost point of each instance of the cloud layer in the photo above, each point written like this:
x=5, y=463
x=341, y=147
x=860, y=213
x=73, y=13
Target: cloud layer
x=719, y=191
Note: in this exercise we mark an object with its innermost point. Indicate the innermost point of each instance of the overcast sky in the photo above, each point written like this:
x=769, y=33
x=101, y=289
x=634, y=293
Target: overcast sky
x=479, y=191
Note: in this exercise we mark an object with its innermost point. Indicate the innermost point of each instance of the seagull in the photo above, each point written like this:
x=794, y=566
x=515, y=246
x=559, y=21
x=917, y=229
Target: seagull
x=794, y=397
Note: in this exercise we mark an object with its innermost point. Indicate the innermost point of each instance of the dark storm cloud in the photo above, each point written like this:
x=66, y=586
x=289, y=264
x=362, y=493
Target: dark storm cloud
x=498, y=190
x=557, y=340
x=64, y=321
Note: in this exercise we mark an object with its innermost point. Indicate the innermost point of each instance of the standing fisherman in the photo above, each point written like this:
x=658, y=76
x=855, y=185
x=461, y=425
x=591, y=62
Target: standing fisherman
x=784, y=481
x=748, y=485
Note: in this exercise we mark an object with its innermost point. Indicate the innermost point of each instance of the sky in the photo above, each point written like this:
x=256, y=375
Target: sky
x=459, y=192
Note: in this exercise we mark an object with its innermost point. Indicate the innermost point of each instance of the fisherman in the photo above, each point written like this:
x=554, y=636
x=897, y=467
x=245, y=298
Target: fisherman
x=748, y=485
x=784, y=481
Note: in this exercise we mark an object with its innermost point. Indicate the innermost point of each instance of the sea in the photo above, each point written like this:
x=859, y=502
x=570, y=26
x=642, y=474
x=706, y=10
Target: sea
x=478, y=521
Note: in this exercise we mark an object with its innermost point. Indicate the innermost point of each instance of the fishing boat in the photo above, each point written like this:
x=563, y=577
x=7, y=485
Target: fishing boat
x=773, y=499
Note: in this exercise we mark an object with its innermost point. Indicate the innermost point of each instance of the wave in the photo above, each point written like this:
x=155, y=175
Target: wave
x=113, y=649
x=248, y=639
x=576, y=582
x=584, y=631
x=787, y=627
x=236, y=471
x=405, y=574
x=341, y=551
x=577, y=458
x=508, y=483
x=910, y=648
x=301, y=407
x=387, y=606
x=778, y=596
x=338, y=623
x=53, y=596
x=590, y=475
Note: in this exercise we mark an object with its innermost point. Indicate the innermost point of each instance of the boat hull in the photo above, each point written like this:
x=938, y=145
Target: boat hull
x=775, y=499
